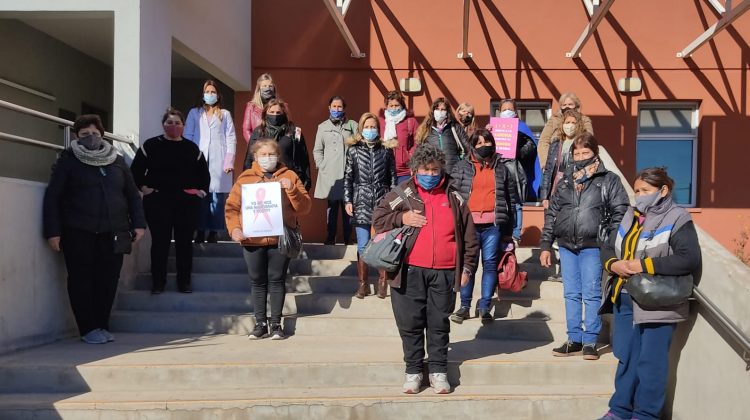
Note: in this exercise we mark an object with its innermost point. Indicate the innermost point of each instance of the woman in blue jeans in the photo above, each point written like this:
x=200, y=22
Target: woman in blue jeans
x=484, y=181
x=370, y=172
x=655, y=237
x=589, y=200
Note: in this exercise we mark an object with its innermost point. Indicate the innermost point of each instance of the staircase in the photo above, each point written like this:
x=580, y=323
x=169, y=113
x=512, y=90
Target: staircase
x=186, y=356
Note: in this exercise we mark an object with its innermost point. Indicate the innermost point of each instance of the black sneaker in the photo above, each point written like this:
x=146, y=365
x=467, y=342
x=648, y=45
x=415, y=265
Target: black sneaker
x=460, y=315
x=277, y=333
x=200, y=237
x=213, y=237
x=590, y=353
x=568, y=348
x=330, y=241
x=157, y=289
x=485, y=316
x=260, y=331
x=185, y=288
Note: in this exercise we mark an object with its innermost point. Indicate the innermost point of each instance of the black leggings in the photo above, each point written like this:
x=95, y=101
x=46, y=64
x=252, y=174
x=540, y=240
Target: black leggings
x=267, y=270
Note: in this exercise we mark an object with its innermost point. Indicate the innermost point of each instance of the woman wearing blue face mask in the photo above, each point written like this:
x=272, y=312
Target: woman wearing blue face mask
x=212, y=129
x=441, y=130
x=329, y=154
x=370, y=173
x=655, y=237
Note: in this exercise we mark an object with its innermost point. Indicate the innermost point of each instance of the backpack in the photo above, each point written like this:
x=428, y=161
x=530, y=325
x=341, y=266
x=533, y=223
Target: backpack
x=508, y=276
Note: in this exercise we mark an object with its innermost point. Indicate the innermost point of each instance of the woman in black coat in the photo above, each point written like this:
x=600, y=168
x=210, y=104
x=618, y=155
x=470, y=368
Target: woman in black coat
x=441, y=129
x=369, y=174
x=276, y=125
x=92, y=213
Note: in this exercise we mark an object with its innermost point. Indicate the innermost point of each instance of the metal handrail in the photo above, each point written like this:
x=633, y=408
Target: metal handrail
x=26, y=140
x=57, y=120
x=730, y=327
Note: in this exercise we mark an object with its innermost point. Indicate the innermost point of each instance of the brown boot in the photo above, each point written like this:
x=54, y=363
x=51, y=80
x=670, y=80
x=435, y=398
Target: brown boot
x=382, y=285
x=362, y=271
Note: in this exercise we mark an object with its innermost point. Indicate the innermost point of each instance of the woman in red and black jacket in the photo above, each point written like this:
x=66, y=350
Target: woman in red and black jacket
x=423, y=288
x=398, y=123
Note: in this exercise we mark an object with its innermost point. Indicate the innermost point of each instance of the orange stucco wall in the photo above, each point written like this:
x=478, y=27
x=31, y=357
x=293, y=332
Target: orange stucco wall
x=518, y=51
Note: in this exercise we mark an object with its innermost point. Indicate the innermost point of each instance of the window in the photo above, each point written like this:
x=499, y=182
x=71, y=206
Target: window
x=534, y=113
x=668, y=136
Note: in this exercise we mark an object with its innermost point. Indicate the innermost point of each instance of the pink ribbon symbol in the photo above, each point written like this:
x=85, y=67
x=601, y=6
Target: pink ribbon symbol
x=260, y=195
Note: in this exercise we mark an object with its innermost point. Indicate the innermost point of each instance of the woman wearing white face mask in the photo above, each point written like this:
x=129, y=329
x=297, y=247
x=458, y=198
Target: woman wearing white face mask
x=398, y=123
x=266, y=266
x=571, y=129
x=211, y=128
x=567, y=101
x=441, y=129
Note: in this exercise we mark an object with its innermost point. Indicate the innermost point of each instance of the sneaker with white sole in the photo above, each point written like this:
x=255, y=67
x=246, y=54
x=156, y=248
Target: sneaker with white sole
x=260, y=331
x=94, y=337
x=108, y=335
x=412, y=383
x=277, y=333
x=439, y=383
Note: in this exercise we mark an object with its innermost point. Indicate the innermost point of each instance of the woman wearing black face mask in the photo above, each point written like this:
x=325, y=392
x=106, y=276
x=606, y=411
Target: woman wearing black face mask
x=588, y=201
x=465, y=114
x=276, y=125
x=92, y=211
x=484, y=181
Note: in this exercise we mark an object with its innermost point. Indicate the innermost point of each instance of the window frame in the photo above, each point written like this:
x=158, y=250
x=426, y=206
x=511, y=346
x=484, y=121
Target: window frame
x=694, y=107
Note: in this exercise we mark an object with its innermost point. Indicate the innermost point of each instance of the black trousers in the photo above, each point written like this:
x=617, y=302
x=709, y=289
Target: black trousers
x=267, y=267
x=168, y=213
x=93, y=273
x=423, y=302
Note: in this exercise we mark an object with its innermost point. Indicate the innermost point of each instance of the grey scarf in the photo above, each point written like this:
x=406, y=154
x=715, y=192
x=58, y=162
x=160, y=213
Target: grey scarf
x=102, y=157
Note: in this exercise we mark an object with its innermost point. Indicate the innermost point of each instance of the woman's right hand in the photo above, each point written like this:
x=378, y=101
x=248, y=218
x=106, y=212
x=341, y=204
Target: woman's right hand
x=545, y=259
x=413, y=218
x=146, y=190
x=349, y=209
x=237, y=235
x=621, y=269
x=545, y=204
x=54, y=243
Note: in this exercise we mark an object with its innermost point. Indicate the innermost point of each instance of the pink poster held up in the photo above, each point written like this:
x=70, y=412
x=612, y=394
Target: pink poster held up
x=505, y=132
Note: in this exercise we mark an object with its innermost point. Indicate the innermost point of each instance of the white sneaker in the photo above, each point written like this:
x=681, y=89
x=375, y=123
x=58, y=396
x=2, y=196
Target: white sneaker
x=412, y=384
x=94, y=337
x=108, y=335
x=439, y=383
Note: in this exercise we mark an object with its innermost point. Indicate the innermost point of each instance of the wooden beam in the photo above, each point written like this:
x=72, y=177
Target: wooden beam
x=465, y=49
x=726, y=20
x=589, y=30
x=339, y=19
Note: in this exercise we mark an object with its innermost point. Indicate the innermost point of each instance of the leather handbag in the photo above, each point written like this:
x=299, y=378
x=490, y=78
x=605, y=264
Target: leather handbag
x=656, y=291
x=508, y=276
x=291, y=243
x=385, y=251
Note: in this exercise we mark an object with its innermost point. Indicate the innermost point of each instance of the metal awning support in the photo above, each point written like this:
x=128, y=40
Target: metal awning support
x=465, y=54
x=720, y=9
x=338, y=17
x=343, y=5
x=590, y=6
x=596, y=18
x=730, y=16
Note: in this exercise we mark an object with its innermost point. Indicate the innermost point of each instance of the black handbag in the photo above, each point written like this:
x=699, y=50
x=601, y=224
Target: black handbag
x=291, y=243
x=656, y=291
x=385, y=251
x=122, y=242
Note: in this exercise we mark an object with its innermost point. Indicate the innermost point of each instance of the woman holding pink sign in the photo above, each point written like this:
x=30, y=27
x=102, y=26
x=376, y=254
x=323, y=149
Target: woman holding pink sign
x=266, y=265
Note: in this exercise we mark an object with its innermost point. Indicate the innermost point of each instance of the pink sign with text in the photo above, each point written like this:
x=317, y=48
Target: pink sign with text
x=505, y=132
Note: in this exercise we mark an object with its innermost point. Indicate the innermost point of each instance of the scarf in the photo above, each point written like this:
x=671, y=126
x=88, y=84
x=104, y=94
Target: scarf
x=390, y=124
x=274, y=131
x=440, y=126
x=584, y=174
x=658, y=223
x=102, y=157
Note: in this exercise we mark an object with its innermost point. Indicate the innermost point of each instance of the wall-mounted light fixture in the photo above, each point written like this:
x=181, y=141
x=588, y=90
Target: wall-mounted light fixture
x=629, y=85
x=410, y=85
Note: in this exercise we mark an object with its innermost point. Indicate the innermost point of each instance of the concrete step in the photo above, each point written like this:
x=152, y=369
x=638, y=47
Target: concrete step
x=233, y=265
x=310, y=251
x=151, y=362
x=513, y=401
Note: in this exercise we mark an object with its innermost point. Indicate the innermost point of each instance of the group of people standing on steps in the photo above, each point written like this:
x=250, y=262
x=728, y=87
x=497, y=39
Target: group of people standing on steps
x=454, y=190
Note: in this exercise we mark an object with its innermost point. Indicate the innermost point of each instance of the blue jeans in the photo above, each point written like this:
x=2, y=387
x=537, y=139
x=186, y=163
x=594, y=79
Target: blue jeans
x=488, y=237
x=642, y=352
x=332, y=216
x=582, y=275
x=363, y=236
x=519, y=222
x=212, y=212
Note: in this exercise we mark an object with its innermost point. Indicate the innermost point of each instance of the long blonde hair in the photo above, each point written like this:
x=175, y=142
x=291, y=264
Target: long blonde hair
x=257, y=100
x=472, y=126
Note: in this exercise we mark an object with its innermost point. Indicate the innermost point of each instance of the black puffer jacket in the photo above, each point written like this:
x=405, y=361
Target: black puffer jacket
x=370, y=173
x=462, y=178
x=446, y=142
x=517, y=173
x=573, y=219
x=92, y=198
x=293, y=152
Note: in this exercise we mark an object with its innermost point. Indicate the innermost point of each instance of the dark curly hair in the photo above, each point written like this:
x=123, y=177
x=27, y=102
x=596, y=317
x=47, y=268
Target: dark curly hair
x=424, y=154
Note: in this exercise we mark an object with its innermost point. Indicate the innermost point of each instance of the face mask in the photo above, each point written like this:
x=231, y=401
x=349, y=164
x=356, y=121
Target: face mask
x=267, y=93
x=580, y=164
x=393, y=112
x=645, y=202
x=440, y=114
x=268, y=163
x=174, y=131
x=569, y=129
x=508, y=113
x=428, y=182
x=91, y=142
x=210, y=98
x=276, y=120
x=370, y=134
x=336, y=114
x=485, y=151
x=466, y=119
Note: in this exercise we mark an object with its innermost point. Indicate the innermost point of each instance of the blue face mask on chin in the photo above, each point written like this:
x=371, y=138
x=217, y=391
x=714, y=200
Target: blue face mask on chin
x=336, y=114
x=429, y=182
